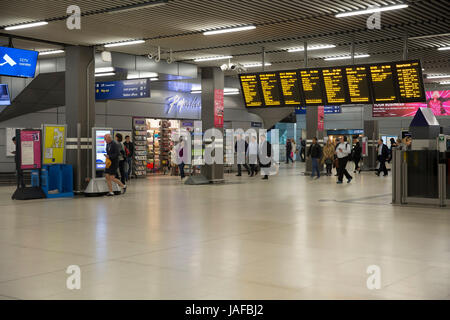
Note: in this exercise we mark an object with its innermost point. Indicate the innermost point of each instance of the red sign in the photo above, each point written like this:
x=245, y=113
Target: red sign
x=438, y=101
x=218, y=108
x=320, y=118
x=30, y=149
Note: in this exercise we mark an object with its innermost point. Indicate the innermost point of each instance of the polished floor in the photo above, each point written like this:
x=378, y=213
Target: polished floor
x=287, y=238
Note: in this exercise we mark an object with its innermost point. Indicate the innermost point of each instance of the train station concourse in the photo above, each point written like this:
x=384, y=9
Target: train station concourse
x=204, y=152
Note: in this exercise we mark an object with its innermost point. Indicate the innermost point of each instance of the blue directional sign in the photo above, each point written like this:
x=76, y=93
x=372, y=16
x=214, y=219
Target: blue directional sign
x=327, y=109
x=18, y=62
x=123, y=89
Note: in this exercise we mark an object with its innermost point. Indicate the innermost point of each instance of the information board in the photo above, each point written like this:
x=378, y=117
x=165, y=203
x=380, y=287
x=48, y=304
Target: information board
x=100, y=147
x=251, y=91
x=18, y=62
x=383, y=83
x=333, y=79
x=327, y=110
x=271, y=89
x=290, y=88
x=358, y=84
x=312, y=87
x=4, y=95
x=409, y=75
x=54, y=144
x=30, y=149
x=123, y=89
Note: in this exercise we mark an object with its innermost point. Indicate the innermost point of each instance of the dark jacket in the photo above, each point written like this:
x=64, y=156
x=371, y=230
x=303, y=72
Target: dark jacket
x=288, y=147
x=315, y=151
x=384, y=153
x=130, y=147
x=267, y=148
x=236, y=146
x=113, y=150
x=357, y=151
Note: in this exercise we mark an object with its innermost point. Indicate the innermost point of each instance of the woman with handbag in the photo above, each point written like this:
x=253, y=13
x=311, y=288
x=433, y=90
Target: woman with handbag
x=328, y=156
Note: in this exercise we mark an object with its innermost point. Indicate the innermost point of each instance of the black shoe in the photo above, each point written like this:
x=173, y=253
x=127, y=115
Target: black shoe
x=110, y=194
x=239, y=175
x=265, y=178
x=349, y=180
x=124, y=190
x=377, y=173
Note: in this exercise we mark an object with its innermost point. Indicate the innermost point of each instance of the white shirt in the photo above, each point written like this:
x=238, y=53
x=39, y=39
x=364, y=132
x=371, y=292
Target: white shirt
x=346, y=150
x=252, y=148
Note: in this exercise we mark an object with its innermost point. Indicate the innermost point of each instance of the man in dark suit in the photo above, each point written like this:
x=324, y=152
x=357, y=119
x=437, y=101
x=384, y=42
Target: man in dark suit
x=382, y=156
x=265, y=156
x=240, y=153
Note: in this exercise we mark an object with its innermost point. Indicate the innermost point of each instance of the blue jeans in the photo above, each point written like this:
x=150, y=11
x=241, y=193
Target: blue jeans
x=181, y=167
x=315, y=167
x=130, y=168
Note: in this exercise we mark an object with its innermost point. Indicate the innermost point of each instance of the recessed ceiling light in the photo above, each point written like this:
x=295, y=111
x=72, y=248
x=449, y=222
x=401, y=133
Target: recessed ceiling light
x=311, y=48
x=444, y=48
x=444, y=82
x=227, y=30
x=125, y=43
x=371, y=10
x=27, y=25
x=137, y=6
x=213, y=58
x=347, y=57
x=43, y=53
x=255, y=65
x=154, y=79
x=105, y=74
x=141, y=75
x=104, y=69
x=438, y=76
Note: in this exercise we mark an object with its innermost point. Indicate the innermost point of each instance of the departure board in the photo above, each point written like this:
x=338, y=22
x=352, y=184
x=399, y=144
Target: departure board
x=333, y=79
x=358, y=84
x=312, y=86
x=383, y=83
x=250, y=90
x=409, y=75
x=290, y=87
x=271, y=89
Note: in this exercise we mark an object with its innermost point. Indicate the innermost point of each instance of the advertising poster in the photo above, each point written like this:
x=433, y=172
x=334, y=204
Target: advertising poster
x=30, y=149
x=54, y=144
x=218, y=108
x=438, y=101
x=320, y=118
x=100, y=148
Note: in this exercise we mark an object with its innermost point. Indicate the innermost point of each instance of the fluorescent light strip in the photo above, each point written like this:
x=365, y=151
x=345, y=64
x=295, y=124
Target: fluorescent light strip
x=444, y=82
x=346, y=57
x=213, y=58
x=208, y=33
x=226, y=91
x=43, y=53
x=27, y=25
x=105, y=74
x=154, y=79
x=438, y=76
x=371, y=10
x=138, y=7
x=255, y=65
x=311, y=48
x=141, y=75
x=126, y=43
x=444, y=48
x=104, y=69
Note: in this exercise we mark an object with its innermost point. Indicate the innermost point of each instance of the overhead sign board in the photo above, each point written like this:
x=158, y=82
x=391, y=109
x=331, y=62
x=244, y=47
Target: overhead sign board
x=18, y=62
x=123, y=89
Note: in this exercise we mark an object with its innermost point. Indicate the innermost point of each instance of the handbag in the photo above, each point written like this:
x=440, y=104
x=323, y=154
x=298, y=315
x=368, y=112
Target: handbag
x=108, y=163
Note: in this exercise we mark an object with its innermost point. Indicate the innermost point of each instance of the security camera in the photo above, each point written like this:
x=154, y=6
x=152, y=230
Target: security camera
x=224, y=67
x=233, y=67
x=150, y=56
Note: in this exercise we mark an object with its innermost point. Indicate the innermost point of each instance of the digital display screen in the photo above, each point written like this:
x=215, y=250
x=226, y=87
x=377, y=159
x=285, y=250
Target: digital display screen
x=271, y=89
x=383, y=83
x=100, y=149
x=358, y=84
x=4, y=95
x=333, y=79
x=250, y=90
x=18, y=62
x=123, y=89
x=312, y=86
x=409, y=75
x=290, y=87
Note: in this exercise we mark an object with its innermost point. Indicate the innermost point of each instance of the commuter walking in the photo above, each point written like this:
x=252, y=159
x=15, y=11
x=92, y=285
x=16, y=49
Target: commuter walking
x=382, y=156
x=356, y=155
x=112, y=154
x=240, y=141
x=343, y=150
x=265, y=156
x=294, y=149
x=289, y=151
x=19, y=172
x=252, y=153
x=122, y=157
x=181, y=158
x=328, y=156
x=336, y=160
x=303, y=150
x=129, y=152
x=393, y=145
x=315, y=152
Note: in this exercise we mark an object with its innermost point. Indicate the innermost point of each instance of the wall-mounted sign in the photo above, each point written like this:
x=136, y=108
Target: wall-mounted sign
x=256, y=124
x=123, y=89
x=183, y=103
x=218, y=108
x=327, y=110
x=54, y=144
x=30, y=149
x=18, y=62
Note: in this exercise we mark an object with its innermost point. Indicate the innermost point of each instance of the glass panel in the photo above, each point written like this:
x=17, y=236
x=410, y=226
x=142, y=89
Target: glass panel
x=422, y=174
x=448, y=174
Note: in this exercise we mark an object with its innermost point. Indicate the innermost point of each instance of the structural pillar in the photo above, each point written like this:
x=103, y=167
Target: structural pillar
x=213, y=81
x=80, y=108
x=312, y=115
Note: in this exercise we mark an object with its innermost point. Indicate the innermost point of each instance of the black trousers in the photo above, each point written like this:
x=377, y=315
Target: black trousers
x=329, y=167
x=239, y=167
x=382, y=166
x=342, y=169
x=356, y=161
x=288, y=157
x=20, y=181
x=122, y=171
